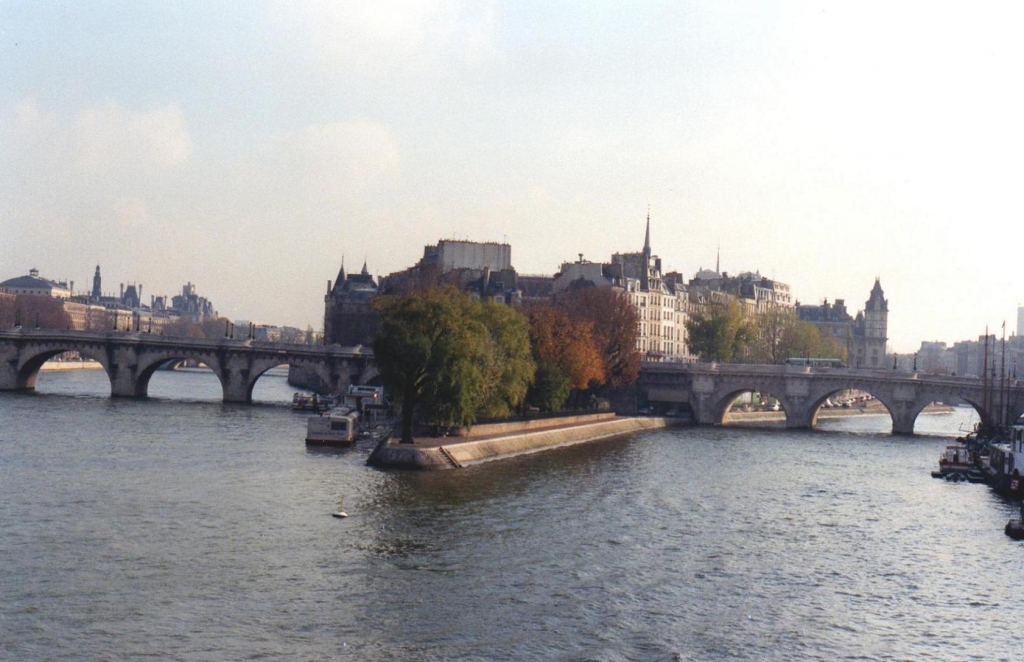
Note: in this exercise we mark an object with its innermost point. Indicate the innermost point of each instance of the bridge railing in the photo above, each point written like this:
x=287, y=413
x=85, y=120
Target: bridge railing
x=763, y=370
x=58, y=335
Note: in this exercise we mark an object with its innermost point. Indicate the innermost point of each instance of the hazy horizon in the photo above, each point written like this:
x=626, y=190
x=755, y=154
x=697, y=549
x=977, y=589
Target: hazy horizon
x=248, y=147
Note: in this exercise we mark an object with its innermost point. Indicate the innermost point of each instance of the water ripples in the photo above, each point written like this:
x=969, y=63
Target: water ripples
x=203, y=531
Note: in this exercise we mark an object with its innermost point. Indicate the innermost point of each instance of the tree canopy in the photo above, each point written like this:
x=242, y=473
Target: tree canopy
x=615, y=327
x=567, y=354
x=720, y=332
x=446, y=357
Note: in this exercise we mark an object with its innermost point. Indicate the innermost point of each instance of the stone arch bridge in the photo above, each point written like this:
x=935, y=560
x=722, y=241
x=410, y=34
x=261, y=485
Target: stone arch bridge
x=710, y=388
x=131, y=358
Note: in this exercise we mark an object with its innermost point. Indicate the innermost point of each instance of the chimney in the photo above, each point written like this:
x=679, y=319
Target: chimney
x=122, y=290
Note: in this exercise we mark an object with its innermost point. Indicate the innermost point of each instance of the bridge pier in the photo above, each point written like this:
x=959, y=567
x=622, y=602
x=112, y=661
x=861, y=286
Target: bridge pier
x=236, y=384
x=9, y=377
x=124, y=383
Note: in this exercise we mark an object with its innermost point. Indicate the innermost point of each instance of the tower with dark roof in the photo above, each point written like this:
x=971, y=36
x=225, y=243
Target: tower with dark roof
x=876, y=313
x=870, y=332
x=97, y=290
x=349, y=319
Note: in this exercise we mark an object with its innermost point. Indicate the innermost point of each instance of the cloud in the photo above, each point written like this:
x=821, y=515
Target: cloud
x=374, y=38
x=101, y=139
x=316, y=173
x=131, y=212
x=67, y=178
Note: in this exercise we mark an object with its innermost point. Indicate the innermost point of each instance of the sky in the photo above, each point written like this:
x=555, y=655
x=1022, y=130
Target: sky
x=250, y=147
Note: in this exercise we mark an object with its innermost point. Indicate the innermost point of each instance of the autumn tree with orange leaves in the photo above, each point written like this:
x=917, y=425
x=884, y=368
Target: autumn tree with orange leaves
x=614, y=325
x=567, y=357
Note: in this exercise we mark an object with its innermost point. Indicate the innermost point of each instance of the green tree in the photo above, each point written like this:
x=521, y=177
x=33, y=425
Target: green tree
x=445, y=357
x=550, y=388
x=773, y=325
x=511, y=364
x=719, y=331
x=804, y=339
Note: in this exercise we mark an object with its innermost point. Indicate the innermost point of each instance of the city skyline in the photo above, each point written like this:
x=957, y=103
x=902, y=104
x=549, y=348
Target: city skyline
x=248, y=148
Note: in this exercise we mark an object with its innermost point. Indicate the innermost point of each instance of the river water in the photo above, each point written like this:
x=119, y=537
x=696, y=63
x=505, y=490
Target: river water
x=180, y=528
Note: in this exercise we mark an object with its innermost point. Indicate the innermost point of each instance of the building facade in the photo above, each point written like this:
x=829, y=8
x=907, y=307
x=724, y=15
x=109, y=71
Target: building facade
x=864, y=336
x=662, y=305
x=349, y=318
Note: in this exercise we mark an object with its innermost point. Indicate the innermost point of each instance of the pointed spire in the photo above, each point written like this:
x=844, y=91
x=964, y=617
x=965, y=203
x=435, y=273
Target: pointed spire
x=365, y=272
x=647, y=235
x=341, y=273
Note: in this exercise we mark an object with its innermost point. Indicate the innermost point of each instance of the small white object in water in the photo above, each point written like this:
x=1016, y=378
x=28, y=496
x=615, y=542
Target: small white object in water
x=339, y=514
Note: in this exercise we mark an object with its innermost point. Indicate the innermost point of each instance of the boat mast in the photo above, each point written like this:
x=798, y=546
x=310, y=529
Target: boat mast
x=1002, y=384
x=984, y=383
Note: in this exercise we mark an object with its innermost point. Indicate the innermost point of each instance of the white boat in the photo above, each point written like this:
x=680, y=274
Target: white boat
x=312, y=402
x=338, y=427
x=1006, y=463
x=955, y=459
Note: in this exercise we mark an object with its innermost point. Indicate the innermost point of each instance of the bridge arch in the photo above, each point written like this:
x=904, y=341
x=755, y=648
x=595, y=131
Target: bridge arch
x=820, y=397
x=151, y=362
x=722, y=409
x=30, y=365
x=259, y=369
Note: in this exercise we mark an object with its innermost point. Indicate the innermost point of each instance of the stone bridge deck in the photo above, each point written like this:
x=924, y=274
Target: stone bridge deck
x=708, y=389
x=131, y=358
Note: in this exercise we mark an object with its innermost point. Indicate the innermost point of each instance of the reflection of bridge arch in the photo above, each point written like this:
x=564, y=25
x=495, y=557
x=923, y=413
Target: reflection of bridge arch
x=131, y=359
x=708, y=389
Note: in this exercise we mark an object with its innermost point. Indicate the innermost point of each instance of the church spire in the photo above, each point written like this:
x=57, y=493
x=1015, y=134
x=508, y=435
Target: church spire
x=647, y=235
x=365, y=272
x=341, y=273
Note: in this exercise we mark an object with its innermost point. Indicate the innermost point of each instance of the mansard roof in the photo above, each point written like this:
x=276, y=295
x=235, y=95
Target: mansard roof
x=30, y=281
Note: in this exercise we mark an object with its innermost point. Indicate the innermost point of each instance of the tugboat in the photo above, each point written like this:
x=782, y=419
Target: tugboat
x=956, y=459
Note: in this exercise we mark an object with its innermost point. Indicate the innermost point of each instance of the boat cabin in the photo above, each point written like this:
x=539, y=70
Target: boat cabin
x=334, y=428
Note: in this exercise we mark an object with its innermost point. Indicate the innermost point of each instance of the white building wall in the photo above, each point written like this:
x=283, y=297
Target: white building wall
x=473, y=255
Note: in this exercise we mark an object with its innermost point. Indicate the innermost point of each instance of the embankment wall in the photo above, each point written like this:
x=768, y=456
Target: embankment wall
x=462, y=452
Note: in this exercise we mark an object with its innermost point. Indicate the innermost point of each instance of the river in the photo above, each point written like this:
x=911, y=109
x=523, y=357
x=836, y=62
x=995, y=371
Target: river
x=180, y=528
